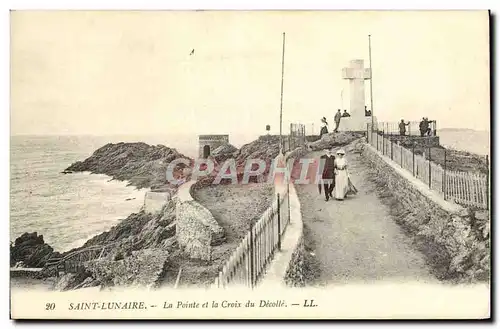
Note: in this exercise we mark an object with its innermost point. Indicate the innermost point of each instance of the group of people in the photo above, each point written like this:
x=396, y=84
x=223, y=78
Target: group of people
x=338, y=116
x=424, y=126
x=335, y=177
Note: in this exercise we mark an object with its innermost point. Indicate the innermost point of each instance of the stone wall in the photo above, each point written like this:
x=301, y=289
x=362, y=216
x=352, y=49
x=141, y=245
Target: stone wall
x=196, y=229
x=294, y=275
x=454, y=239
x=154, y=201
x=212, y=141
x=408, y=141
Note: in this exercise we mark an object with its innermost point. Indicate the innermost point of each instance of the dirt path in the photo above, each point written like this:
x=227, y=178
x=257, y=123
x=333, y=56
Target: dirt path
x=356, y=240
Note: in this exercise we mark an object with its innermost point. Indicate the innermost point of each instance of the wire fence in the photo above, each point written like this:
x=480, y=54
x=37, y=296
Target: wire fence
x=249, y=261
x=465, y=188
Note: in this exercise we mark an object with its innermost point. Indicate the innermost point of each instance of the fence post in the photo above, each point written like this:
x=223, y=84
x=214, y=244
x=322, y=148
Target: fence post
x=444, y=176
x=377, y=139
x=430, y=185
x=413, y=157
x=252, y=277
x=279, y=223
x=392, y=157
x=383, y=139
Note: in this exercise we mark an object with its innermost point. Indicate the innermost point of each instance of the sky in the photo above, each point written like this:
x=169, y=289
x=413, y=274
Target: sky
x=131, y=72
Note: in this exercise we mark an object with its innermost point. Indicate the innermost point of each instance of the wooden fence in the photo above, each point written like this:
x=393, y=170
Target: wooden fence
x=465, y=188
x=249, y=261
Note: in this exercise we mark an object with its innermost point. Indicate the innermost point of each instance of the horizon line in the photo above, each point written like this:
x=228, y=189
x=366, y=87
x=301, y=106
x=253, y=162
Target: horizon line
x=190, y=134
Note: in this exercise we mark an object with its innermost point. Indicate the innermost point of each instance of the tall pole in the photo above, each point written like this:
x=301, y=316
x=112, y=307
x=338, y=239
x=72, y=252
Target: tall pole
x=342, y=99
x=371, y=74
x=281, y=102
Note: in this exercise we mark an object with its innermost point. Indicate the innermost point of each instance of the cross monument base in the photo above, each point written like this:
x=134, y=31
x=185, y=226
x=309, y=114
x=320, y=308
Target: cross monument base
x=355, y=123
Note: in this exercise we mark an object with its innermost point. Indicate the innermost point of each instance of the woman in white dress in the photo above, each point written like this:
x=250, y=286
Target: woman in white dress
x=341, y=177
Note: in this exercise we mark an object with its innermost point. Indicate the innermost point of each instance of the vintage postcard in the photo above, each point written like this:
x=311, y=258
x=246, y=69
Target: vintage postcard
x=250, y=165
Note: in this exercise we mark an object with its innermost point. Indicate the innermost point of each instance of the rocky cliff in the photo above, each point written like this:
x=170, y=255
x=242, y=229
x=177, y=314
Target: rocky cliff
x=331, y=140
x=138, y=249
x=138, y=231
x=30, y=250
x=264, y=148
x=224, y=152
x=141, y=164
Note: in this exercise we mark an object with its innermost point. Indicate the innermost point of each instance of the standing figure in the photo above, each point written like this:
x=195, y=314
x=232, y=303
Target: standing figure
x=430, y=131
x=324, y=128
x=367, y=112
x=424, y=126
x=337, y=118
x=328, y=174
x=402, y=127
x=341, y=176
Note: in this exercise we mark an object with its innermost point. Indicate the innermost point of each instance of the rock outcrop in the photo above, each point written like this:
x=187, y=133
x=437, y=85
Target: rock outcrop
x=264, y=148
x=224, y=152
x=141, y=164
x=331, y=140
x=137, y=231
x=142, y=268
x=31, y=250
x=140, y=241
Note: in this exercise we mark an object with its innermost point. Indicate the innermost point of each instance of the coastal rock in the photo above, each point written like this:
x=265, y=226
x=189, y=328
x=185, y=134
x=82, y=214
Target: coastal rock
x=224, y=152
x=142, y=268
x=87, y=283
x=170, y=244
x=138, y=231
x=31, y=250
x=141, y=164
x=264, y=148
x=331, y=140
x=64, y=282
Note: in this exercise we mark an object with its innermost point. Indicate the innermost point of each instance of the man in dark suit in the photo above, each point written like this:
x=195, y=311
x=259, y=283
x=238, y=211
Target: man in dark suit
x=328, y=174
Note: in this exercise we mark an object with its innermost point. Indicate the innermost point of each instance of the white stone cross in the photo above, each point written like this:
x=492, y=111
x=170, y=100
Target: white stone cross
x=357, y=75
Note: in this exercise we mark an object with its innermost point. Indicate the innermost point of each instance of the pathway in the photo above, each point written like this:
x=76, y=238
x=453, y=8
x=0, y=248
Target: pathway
x=356, y=240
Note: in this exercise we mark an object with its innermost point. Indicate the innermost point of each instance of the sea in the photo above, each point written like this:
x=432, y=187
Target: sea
x=68, y=209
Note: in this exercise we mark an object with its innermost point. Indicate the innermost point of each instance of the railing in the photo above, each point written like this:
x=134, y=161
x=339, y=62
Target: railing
x=297, y=135
x=73, y=261
x=412, y=128
x=465, y=188
x=249, y=261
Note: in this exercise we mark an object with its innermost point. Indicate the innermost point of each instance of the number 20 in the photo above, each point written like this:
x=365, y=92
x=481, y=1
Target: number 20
x=50, y=306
